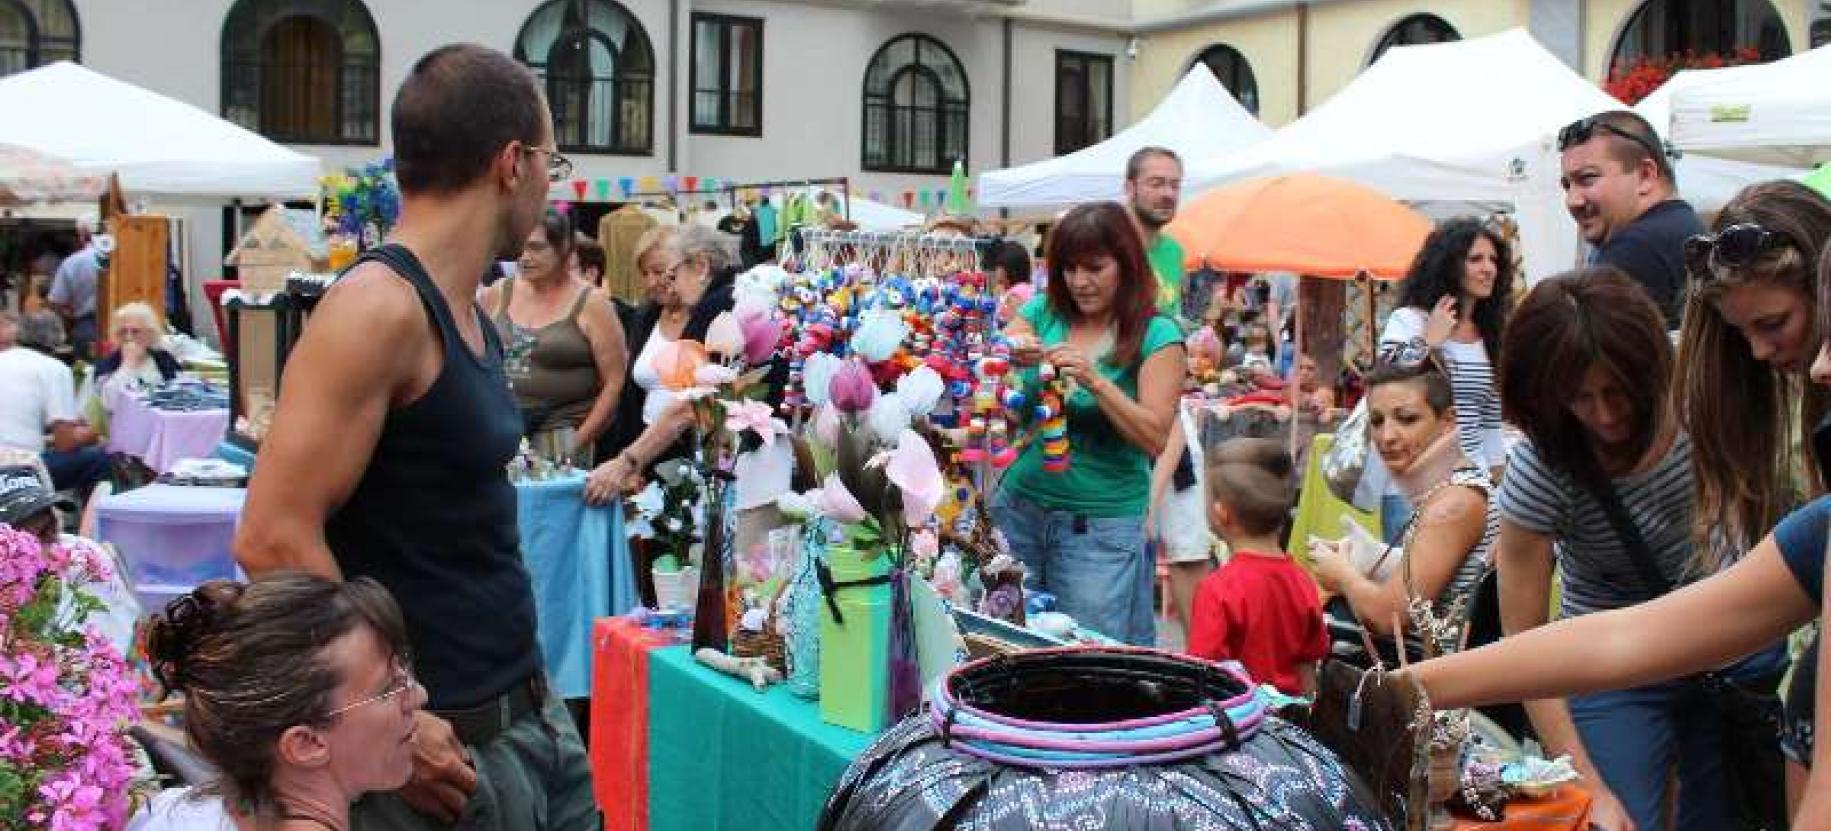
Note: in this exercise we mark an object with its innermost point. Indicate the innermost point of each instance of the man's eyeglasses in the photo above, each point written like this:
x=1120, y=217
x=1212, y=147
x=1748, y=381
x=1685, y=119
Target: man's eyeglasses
x=403, y=681
x=559, y=168
x=1583, y=129
x=1737, y=246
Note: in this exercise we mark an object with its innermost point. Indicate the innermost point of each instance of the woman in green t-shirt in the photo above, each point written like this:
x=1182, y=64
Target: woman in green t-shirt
x=1080, y=532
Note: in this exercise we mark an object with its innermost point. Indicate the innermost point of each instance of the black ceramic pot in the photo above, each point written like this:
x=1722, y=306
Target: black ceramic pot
x=1277, y=777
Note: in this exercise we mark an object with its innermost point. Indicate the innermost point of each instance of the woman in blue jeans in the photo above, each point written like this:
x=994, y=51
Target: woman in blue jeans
x=1603, y=489
x=1080, y=532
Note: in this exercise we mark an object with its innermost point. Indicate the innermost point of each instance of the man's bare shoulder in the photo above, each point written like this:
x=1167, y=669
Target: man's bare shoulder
x=371, y=294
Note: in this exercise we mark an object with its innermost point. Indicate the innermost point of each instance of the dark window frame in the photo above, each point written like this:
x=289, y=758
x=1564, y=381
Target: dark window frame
x=1637, y=32
x=247, y=25
x=881, y=102
x=1400, y=33
x=624, y=85
x=1092, y=130
x=1240, y=70
x=727, y=25
x=39, y=39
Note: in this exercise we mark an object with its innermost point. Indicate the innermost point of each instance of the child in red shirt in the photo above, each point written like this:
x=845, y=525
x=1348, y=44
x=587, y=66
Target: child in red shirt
x=1260, y=608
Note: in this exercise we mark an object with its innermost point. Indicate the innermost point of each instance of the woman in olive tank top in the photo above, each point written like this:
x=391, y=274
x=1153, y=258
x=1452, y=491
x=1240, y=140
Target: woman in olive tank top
x=563, y=348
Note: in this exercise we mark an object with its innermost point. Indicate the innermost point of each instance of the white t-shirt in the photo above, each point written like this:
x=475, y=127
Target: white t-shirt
x=35, y=392
x=645, y=376
x=176, y=809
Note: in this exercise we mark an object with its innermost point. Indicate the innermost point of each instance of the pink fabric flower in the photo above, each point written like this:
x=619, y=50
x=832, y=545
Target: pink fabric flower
x=852, y=389
x=915, y=473
x=754, y=415
x=836, y=503
x=762, y=334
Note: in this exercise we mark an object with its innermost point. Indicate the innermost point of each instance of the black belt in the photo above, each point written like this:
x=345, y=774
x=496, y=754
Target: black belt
x=480, y=725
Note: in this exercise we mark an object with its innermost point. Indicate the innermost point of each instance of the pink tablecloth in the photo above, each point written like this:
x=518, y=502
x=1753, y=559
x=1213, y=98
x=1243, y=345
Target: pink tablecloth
x=161, y=437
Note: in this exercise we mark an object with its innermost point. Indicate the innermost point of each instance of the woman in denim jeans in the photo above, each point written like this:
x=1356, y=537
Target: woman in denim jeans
x=1080, y=532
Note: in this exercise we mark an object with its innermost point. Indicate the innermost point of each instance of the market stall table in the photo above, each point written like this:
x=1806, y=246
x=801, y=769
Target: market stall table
x=578, y=561
x=675, y=745
x=172, y=538
x=162, y=437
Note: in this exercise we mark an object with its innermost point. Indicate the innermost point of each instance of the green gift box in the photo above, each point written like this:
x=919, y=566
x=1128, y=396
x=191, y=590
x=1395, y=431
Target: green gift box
x=855, y=647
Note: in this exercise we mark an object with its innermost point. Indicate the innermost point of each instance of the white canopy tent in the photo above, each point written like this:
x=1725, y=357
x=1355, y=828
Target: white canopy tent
x=1773, y=113
x=1468, y=121
x=877, y=216
x=1706, y=181
x=162, y=148
x=1198, y=120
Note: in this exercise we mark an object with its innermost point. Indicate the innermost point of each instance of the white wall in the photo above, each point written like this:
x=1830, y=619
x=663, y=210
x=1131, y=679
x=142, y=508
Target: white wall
x=1033, y=85
x=814, y=63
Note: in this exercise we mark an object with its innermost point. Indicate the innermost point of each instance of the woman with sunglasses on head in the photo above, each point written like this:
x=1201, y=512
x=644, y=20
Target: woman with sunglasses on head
x=297, y=690
x=1412, y=424
x=1773, y=590
x=1750, y=330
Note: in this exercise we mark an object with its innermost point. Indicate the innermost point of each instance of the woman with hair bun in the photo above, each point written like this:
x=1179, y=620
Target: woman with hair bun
x=299, y=691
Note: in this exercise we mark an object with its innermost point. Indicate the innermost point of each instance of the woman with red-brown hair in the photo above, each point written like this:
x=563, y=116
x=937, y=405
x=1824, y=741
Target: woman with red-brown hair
x=1080, y=532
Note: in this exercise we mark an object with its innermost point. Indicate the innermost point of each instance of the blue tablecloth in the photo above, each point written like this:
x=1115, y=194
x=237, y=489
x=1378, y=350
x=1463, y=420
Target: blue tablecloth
x=578, y=559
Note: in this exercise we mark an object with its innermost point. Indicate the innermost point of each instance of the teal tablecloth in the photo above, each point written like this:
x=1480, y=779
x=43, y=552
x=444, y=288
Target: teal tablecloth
x=578, y=560
x=722, y=755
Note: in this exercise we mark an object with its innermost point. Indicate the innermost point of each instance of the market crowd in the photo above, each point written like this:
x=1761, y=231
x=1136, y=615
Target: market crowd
x=1639, y=438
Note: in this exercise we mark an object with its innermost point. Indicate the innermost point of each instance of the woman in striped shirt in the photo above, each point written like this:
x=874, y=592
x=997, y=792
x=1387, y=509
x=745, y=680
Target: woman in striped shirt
x=1587, y=368
x=1453, y=305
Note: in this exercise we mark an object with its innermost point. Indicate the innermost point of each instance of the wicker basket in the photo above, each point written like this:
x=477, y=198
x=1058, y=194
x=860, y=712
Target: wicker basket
x=769, y=645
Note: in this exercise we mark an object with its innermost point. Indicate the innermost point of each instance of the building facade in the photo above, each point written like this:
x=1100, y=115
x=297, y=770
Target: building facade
x=1283, y=57
x=887, y=93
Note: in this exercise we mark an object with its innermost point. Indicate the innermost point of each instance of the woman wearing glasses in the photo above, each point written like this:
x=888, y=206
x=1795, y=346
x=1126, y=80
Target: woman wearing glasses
x=702, y=267
x=297, y=690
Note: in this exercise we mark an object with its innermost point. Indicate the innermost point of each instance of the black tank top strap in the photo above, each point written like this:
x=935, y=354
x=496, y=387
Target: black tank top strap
x=401, y=261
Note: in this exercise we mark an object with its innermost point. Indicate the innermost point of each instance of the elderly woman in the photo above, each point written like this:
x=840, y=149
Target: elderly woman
x=562, y=344
x=298, y=689
x=140, y=361
x=701, y=267
x=1080, y=532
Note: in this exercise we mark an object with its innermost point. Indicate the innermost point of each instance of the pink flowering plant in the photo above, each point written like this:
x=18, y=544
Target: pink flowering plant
x=66, y=695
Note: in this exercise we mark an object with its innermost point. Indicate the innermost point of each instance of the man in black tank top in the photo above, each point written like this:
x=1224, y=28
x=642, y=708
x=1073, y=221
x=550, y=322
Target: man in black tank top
x=388, y=449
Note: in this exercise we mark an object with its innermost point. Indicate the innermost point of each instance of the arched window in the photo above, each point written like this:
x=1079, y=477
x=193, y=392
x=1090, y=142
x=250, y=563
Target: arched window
x=304, y=71
x=1234, y=73
x=1416, y=30
x=916, y=101
x=599, y=71
x=1738, y=31
x=37, y=32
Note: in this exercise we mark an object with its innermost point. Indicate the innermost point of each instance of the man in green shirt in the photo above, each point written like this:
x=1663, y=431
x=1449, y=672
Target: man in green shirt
x=1153, y=186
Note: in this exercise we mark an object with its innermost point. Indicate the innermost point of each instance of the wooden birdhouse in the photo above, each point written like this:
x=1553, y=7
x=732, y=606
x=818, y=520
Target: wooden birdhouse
x=279, y=243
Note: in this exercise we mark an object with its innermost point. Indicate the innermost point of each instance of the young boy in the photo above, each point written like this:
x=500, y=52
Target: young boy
x=1260, y=608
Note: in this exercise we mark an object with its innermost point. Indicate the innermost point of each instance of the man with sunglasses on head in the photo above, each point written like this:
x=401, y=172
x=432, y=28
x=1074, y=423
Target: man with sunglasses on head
x=1619, y=187
x=388, y=451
